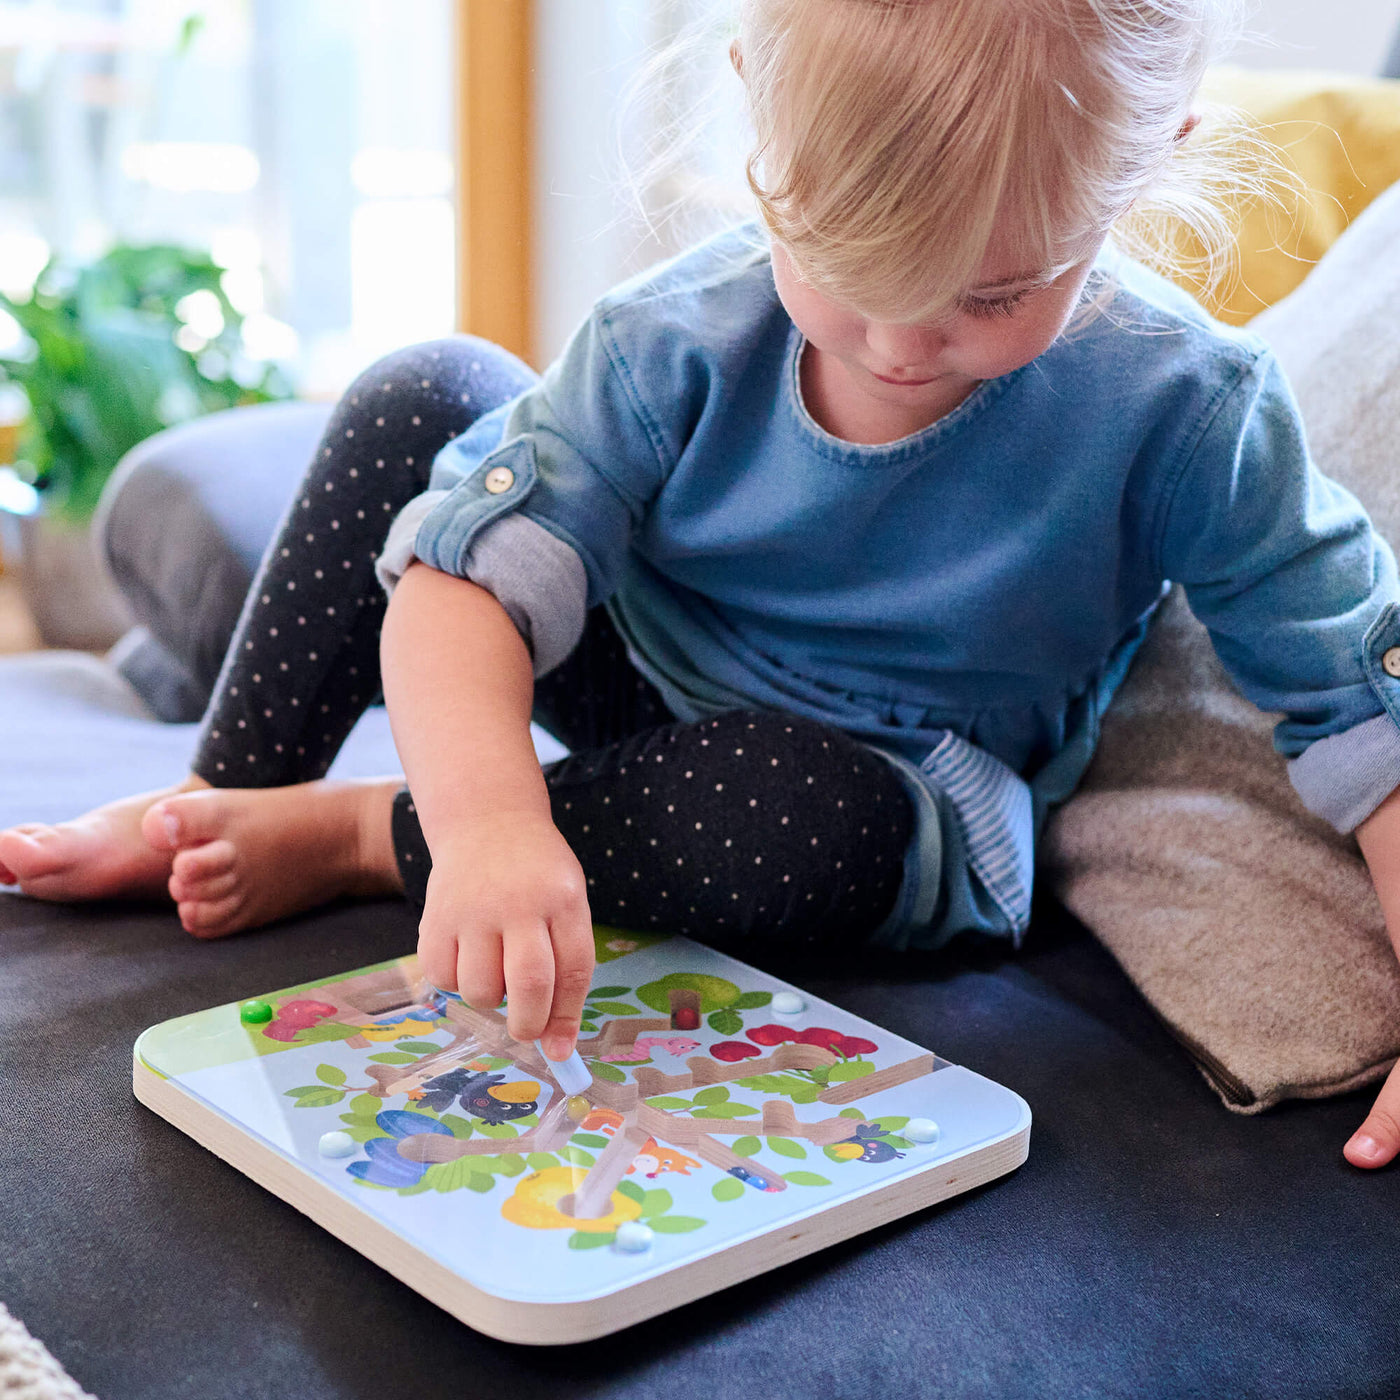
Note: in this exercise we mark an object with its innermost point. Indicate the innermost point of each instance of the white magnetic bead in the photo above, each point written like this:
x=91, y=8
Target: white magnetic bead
x=337, y=1145
x=921, y=1130
x=788, y=1004
x=633, y=1238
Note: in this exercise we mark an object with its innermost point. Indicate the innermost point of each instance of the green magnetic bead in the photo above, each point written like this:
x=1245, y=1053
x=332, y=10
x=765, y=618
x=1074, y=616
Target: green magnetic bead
x=254, y=1013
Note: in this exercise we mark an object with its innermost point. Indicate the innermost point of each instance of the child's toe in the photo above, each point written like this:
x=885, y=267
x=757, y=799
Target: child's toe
x=200, y=863
x=198, y=890
x=210, y=918
x=29, y=853
x=185, y=820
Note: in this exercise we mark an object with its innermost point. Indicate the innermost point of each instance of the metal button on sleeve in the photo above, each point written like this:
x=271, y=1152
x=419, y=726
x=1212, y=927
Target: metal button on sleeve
x=500, y=479
x=1391, y=661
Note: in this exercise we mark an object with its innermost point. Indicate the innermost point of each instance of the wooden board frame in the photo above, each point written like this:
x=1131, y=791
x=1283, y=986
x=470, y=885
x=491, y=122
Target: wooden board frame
x=990, y=1137
x=551, y=1324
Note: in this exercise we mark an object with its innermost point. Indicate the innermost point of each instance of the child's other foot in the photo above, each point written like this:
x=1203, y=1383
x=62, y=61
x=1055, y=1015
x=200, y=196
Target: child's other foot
x=243, y=857
x=100, y=855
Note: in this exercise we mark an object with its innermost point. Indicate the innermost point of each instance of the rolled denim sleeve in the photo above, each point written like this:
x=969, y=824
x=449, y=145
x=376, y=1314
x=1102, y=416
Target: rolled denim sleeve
x=579, y=454
x=534, y=575
x=1298, y=592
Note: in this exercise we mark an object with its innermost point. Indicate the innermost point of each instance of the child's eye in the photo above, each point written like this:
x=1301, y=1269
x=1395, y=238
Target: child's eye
x=1003, y=306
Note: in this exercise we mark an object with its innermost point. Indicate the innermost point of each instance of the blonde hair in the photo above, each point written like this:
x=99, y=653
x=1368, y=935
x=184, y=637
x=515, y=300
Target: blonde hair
x=892, y=138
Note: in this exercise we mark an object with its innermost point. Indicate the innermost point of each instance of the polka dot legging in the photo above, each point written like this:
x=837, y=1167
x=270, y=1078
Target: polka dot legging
x=750, y=824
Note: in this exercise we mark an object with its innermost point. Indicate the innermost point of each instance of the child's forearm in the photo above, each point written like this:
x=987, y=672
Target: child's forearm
x=506, y=910
x=459, y=686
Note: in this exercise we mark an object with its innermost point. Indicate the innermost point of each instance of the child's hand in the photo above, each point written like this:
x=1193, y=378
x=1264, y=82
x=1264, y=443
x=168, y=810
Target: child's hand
x=506, y=913
x=1378, y=1139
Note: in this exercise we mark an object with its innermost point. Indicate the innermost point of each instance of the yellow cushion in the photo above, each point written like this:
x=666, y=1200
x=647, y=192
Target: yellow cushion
x=1342, y=135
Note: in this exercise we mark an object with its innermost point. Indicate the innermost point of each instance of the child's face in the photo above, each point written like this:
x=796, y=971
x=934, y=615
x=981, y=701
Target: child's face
x=879, y=371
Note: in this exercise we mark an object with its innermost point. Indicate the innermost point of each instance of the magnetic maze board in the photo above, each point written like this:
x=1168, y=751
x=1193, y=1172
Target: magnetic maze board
x=733, y=1124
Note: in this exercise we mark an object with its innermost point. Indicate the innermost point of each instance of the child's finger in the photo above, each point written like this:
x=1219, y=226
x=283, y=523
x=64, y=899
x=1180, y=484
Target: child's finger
x=1377, y=1140
x=573, y=975
x=481, y=981
x=528, y=957
x=437, y=955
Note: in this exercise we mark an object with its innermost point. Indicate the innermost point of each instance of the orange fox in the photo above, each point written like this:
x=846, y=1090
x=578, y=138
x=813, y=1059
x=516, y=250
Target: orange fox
x=661, y=1159
x=652, y=1159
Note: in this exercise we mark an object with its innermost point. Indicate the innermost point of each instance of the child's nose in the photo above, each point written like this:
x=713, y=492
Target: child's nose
x=905, y=347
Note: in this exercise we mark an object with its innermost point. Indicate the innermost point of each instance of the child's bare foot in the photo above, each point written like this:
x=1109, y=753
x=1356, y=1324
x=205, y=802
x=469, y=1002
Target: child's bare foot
x=244, y=857
x=100, y=855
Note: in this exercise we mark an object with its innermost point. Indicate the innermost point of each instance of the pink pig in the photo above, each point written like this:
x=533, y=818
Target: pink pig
x=671, y=1044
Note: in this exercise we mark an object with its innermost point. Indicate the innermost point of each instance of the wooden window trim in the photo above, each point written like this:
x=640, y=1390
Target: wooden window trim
x=495, y=234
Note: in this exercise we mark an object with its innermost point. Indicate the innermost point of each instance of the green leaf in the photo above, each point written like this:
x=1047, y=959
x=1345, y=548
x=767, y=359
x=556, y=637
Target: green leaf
x=480, y=1182
x=590, y=1239
x=326, y=1031
x=807, y=1095
x=418, y=1047
x=748, y=1001
x=609, y=992
x=366, y=1103
x=359, y=1120
x=362, y=1127
x=855, y=1113
x=591, y=1026
x=329, y=1074
x=303, y=1089
x=512, y=1164
x=530, y=1120
x=745, y=1147
x=657, y=1203
x=677, y=1224
x=805, y=1179
x=602, y=1070
x=496, y=1062
x=495, y=1130
x=418, y=1187
x=730, y=1189
x=577, y=1157
x=450, y=1176
x=461, y=1127
x=390, y=1057
x=895, y=1140
x=613, y=1008
x=889, y=1124
x=725, y=1110
x=589, y=1140
x=667, y=1102
x=541, y=1161
x=726, y=1022
x=786, y=1147
x=631, y=1190
x=716, y=1093
x=320, y=1098
x=851, y=1069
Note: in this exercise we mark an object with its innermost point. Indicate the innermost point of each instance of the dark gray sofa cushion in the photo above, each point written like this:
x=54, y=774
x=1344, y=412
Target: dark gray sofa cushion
x=1153, y=1245
x=182, y=526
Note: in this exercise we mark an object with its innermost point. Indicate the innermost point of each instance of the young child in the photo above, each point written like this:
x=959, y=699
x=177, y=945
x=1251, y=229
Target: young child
x=823, y=546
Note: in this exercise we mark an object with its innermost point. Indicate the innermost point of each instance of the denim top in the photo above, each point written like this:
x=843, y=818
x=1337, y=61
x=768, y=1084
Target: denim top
x=965, y=599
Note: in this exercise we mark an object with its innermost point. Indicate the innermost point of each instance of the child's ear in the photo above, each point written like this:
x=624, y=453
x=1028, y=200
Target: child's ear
x=736, y=57
x=1193, y=120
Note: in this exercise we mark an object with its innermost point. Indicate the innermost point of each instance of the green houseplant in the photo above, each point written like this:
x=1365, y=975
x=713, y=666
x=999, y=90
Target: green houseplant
x=113, y=351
